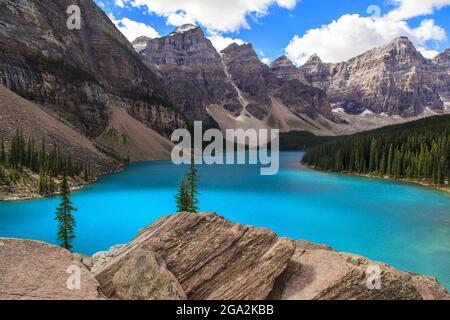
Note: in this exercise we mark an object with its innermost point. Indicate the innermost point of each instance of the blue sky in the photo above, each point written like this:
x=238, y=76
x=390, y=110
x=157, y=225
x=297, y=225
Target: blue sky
x=336, y=30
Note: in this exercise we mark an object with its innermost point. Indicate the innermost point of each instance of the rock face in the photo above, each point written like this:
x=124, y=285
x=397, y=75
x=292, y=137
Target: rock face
x=192, y=70
x=140, y=43
x=211, y=257
x=78, y=74
x=261, y=83
x=284, y=68
x=31, y=270
x=393, y=80
x=235, y=82
x=215, y=259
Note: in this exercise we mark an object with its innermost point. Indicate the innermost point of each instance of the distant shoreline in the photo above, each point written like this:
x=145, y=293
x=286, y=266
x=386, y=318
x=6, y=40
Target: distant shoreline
x=386, y=178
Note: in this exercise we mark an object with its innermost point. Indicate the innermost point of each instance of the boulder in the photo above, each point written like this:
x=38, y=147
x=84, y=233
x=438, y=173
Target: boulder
x=145, y=277
x=212, y=258
x=33, y=270
x=318, y=274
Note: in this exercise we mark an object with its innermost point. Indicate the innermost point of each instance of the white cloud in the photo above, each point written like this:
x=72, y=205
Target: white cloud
x=214, y=15
x=408, y=9
x=119, y=3
x=265, y=60
x=220, y=42
x=428, y=53
x=133, y=29
x=352, y=35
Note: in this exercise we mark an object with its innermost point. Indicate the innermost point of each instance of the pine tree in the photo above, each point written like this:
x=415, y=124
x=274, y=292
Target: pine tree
x=182, y=198
x=192, y=181
x=186, y=197
x=66, y=221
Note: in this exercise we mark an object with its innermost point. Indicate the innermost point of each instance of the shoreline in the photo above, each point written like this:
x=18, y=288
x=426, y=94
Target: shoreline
x=35, y=196
x=385, y=178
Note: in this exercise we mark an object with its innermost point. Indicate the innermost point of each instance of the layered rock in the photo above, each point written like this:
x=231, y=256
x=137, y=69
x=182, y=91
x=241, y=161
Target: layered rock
x=394, y=80
x=285, y=69
x=78, y=73
x=232, y=87
x=213, y=258
x=282, y=80
x=443, y=59
x=192, y=70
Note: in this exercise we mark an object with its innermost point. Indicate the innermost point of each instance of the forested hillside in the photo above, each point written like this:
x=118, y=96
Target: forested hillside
x=25, y=160
x=417, y=151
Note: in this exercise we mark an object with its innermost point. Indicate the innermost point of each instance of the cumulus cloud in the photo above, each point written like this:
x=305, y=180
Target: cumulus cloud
x=353, y=34
x=220, y=42
x=214, y=15
x=407, y=9
x=133, y=29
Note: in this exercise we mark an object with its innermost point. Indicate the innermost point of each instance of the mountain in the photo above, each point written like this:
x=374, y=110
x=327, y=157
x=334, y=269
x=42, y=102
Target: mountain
x=393, y=80
x=140, y=43
x=192, y=70
x=81, y=76
x=17, y=112
x=262, y=83
x=233, y=88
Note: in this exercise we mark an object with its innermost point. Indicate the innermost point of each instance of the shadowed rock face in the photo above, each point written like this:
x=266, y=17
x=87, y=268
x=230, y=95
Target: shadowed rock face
x=192, y=70
x=281, y=80
x=75, y=72
x=394, y=79
x=198, y=77
x=213, y=258
x=284, y=68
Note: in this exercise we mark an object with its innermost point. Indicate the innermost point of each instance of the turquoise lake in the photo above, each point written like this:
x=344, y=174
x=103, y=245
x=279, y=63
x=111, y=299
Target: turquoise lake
x=404, y=225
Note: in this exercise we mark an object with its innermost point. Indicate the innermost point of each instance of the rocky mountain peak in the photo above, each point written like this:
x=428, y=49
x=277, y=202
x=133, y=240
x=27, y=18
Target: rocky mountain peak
x=192, y=70
x=284, y=68
x=282, y=61
x=244, y=54
x=314, y=59
x=140, y=43
x=186, y=28
x=401, y=51
x=443, y=59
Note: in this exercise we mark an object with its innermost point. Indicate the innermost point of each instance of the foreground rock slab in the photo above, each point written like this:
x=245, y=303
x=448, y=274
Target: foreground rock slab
x=324, y=274
x=203, y=256
x=32, y=270
x=212, y=258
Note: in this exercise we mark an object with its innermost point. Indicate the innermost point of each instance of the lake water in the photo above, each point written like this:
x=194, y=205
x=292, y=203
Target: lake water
x=403, y=225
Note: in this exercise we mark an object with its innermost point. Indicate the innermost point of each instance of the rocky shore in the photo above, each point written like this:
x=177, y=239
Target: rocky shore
x=203, y=257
